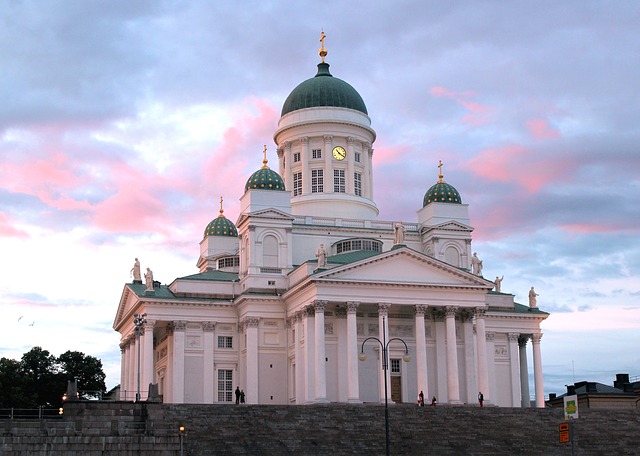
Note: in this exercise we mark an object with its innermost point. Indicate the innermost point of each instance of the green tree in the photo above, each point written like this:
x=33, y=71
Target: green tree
x=86, y=370
x=39, y=379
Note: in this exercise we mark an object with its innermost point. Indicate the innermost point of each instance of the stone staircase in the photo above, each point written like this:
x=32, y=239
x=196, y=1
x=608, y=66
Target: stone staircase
x=119, y=428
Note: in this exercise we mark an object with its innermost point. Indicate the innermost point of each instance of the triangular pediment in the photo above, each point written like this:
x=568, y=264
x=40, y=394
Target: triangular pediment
x=404, y=266
x=449, y=226
x=271, y=214
x=128, y=300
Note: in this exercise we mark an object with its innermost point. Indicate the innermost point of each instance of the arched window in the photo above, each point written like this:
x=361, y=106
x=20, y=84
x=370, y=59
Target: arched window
x=452, y=256
x=270, y=252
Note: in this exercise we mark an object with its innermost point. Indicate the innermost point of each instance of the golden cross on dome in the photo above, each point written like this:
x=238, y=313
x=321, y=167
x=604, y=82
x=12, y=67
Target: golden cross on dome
x=264, y=160
x=221, y=210
x=322, y=52
x=440, y=176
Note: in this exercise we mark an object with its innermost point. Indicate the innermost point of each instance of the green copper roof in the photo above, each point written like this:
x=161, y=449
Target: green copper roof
x=265, y=179
x=221, y=226
x=442, y=193
x=323, y=90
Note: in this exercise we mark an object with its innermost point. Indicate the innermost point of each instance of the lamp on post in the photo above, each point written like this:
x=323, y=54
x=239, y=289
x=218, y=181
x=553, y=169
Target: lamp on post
x=139, y=322
x=384, y=344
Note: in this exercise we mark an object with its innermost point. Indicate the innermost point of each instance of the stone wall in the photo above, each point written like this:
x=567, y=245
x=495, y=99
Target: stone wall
x=104, y=428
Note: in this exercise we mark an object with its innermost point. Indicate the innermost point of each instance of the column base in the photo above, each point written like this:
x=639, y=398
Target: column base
x=354, y=401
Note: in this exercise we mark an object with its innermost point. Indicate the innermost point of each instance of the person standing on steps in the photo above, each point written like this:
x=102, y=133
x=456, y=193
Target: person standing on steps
x=237, y=395
x=434, y=401
x=421, y=399
x=480, y=398
x=242, y=396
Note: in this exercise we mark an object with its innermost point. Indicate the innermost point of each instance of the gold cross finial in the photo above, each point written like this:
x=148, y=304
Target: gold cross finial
x=264, y=160
x=221, y=210
x=322, y=52
x=440, y=176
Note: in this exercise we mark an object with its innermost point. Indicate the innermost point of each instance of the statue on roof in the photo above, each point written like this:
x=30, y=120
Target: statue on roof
x=148, y=278
x=321, y=254
x=533, y=302
x=398, y=233
x=498, y=283
x=135, y=272
x=476, y=265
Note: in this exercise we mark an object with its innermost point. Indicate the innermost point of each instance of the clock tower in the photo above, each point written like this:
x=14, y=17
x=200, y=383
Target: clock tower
x=324, y=144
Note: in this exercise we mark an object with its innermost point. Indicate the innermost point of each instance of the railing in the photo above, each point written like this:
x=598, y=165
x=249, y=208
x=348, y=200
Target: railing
x=29, y=414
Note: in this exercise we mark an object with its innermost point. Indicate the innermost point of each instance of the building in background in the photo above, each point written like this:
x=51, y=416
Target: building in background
x=284, y=298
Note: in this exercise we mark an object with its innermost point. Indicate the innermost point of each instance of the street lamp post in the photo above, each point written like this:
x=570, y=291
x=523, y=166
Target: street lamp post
x=384, y=344
x=139, y=322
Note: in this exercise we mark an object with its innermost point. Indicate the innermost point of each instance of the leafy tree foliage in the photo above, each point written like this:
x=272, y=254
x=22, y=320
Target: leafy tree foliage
x=39, y=379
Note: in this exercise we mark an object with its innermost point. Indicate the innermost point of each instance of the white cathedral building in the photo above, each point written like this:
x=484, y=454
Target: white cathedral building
x=285, y=298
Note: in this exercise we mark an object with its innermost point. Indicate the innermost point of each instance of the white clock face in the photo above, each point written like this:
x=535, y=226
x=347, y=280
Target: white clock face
x=339, y=153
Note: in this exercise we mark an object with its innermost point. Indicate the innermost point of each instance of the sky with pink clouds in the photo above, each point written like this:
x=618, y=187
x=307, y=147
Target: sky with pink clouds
x=122, y=123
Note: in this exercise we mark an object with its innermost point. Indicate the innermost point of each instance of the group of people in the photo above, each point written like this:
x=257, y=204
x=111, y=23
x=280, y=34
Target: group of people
x=239, y=395
x=434, y=401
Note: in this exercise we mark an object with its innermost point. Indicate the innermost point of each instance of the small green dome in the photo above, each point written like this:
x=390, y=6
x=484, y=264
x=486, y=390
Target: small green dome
x=441, y=192
x=221, y=226
x=323, y=90
x=265, y=179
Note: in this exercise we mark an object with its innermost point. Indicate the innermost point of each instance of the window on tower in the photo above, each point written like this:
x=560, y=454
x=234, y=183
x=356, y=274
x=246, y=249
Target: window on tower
x=317, y=181
x=297, y=184
x=316, y=153
x=357, y=157
x=296, y=157
x=339, y=181
x=357, y=184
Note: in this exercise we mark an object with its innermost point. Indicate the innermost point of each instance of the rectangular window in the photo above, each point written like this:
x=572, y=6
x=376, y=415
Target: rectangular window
x=296, y=157
x=225, y=385
x=338, y=181
x=317, y=181
x=297, y=184
x=316, y=153
x=225, y=341
x=357, y=157
x=395, y=366
x=357, y=184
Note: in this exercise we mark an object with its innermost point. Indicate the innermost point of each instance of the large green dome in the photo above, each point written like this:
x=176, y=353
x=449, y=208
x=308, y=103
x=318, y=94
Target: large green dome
x=221, y=226
x=323, y=90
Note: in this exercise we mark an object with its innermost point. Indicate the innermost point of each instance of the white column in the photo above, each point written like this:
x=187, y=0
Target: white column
x=491, y=366
x=305, y=158
x=421, y=352
x=147, y=359
x=299, y=357
x=133, y=366
x=367, y=156
x=383, y=334
x=179, y=328
x=123, y=370
x=441, y=360
x=251, y=328
x=328, y=165
x=208, y=381
x=353, y=394
x=537, y=370
x=309, y=354
x=288, y=163
x=514, y=367
x=524, y=372
x=470, y=369
x=453, y=386
x=349, y=181
x=481, y=339
x=320, y=353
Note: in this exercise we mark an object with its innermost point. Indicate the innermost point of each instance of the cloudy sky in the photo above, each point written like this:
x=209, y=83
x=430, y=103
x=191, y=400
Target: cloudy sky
x=122, y=123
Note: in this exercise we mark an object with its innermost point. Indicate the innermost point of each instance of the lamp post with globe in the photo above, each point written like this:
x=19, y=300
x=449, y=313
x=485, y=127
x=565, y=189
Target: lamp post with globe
x=139, y=321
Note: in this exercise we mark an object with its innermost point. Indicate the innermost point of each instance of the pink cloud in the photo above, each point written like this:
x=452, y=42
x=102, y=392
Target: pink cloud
x=478, y=114
x=7, y=228
x=541, y=130
x=589, y=228
x=517, y=164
